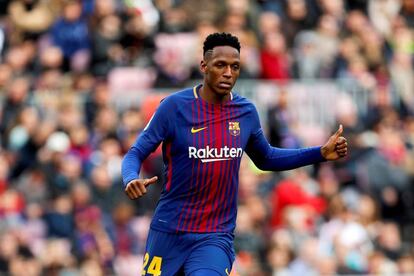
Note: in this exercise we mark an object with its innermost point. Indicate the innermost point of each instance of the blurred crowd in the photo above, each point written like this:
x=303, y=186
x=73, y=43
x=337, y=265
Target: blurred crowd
x=63, y=62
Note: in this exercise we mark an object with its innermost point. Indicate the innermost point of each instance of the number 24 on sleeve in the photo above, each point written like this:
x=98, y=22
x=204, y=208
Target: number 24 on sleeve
x=154, y=268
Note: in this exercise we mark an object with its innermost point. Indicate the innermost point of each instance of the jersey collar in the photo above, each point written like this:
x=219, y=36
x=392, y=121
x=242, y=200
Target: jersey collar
x=195, y=92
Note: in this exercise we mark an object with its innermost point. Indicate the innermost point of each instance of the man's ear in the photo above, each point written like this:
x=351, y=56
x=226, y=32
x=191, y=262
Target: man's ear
x=203, y=66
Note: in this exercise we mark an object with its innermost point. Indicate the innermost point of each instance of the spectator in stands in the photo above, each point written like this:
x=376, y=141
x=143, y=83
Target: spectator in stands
x=18, y=60
x=328, y=42
x=5, y=76
x=293, y=191
x=335, y=9
x=268, y=22
x=31, y=18
x=107, y=51
x=308, y=60
x=59, y=218
x=275, y=60
x=382, y=15
x=104, y=192
x=126, y=241
x=17, y=98
x=406, y=264
x=70, y=33
x=407, y=12
x=299, y=15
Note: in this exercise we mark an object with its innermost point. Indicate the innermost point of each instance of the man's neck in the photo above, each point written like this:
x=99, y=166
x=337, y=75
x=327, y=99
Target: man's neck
x=208, y=95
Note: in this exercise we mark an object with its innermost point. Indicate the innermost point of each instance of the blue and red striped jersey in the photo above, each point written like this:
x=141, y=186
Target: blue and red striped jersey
x=202, y=147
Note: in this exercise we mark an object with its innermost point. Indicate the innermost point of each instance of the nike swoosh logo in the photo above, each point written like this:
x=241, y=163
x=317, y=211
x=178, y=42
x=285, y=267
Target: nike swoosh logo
x=195, y=130
x=227, y=271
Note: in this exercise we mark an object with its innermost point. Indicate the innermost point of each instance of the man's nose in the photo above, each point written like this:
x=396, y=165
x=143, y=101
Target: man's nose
x=227, y=72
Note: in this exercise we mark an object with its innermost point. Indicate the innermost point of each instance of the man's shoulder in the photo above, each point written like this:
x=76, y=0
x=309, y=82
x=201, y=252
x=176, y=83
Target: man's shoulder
x=243, y=101
x=181, y=95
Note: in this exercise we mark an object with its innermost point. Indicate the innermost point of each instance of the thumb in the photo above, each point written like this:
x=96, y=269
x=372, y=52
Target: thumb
x=152, y=180
x=338, y=132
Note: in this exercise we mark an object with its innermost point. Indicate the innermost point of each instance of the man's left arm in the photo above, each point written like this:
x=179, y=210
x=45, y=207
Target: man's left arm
x=271, y=158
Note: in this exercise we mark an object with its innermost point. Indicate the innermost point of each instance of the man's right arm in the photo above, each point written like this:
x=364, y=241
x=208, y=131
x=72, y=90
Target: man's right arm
x=156, y=131
x=131, y=165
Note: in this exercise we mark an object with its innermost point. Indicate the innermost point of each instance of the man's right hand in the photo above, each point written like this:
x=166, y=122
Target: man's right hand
x=138, y=187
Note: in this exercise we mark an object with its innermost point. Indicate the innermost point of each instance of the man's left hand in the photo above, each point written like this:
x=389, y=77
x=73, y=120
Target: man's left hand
x=336, y=147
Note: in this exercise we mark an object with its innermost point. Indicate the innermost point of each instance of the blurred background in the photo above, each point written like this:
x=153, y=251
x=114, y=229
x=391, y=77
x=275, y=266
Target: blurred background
x=80, y=79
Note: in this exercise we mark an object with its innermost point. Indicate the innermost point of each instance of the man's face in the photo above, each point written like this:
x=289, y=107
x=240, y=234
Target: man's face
x=221, y=68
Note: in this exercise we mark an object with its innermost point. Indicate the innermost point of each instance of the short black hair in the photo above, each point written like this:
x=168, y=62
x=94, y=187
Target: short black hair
x=220, y=39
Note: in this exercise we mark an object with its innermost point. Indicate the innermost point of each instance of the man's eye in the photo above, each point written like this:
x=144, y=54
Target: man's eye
x=235, y=67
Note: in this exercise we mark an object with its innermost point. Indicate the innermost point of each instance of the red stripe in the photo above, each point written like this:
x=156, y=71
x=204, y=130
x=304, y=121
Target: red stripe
x=214, y=179
x=212, y=176
x=226, y=167
x=169, y=177
x=201, y=208
x=189, y=217
x=218, y=130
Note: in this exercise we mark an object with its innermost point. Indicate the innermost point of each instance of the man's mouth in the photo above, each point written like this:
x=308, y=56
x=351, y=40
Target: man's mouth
x=224, y=85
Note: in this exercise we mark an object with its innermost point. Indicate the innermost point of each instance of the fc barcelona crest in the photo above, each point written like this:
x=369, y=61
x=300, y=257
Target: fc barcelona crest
x=234, y=128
